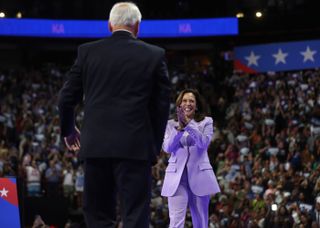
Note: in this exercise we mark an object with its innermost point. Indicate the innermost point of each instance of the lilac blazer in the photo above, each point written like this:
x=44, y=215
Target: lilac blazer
x=188, y=149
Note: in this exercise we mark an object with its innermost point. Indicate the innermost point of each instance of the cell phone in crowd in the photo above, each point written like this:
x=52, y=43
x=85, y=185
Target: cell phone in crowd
x=274, y=207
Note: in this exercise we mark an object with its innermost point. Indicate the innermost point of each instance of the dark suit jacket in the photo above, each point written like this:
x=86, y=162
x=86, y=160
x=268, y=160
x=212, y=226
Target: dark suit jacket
x=125, y=87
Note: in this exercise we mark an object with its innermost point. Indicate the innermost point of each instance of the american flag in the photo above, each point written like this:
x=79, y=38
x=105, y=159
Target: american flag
x=9, y=206
x=278, y=56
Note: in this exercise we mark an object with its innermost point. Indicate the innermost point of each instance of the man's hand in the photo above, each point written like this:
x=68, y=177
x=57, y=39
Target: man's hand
x=72, y=141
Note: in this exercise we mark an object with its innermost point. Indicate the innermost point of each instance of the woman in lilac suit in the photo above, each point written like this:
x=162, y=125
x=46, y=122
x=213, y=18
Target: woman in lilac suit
x=189, y=179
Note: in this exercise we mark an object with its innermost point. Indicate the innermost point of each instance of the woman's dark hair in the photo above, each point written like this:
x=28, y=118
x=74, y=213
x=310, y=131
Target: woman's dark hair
x=201, y=109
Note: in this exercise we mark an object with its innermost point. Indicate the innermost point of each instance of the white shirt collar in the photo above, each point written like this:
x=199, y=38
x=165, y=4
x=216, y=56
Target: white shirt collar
x=125, y=30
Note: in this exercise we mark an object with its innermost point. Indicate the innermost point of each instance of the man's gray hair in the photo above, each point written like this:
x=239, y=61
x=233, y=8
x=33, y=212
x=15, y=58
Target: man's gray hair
x=124, y=13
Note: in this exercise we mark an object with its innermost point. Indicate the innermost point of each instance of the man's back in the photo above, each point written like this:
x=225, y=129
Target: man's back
x=119, y=76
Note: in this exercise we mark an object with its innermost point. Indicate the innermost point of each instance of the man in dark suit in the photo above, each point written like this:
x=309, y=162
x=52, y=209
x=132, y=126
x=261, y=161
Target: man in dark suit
x=125, y=88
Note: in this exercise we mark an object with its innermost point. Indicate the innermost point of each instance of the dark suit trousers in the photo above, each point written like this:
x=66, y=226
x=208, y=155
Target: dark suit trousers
x=107, y=177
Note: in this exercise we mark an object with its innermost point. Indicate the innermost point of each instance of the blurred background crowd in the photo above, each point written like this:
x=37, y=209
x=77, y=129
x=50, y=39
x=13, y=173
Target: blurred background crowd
x=265, y=150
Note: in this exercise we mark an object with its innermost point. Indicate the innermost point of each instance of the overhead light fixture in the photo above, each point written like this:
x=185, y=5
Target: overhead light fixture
x=2, y=15
x=258, y=14
x=240, y=15
x=19, y=15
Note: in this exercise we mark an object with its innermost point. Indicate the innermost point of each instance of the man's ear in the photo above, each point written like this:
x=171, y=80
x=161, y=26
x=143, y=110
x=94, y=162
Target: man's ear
x=110, y=27
x=136, y=28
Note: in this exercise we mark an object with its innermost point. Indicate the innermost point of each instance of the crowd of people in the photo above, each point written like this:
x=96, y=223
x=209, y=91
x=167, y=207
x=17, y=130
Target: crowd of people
x=265, y=150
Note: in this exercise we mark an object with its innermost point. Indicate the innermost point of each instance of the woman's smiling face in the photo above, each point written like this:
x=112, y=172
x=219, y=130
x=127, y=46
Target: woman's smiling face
x=189, y=105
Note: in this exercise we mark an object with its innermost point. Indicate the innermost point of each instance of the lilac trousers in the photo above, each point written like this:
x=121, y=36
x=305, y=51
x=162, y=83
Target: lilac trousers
x=179, y=202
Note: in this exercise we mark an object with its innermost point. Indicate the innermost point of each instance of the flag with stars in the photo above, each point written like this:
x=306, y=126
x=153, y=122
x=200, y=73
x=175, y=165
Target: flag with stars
x=278, y=56
x=9, y=207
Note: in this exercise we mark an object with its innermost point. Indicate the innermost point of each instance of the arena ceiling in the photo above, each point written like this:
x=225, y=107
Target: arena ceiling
x=280, y=18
